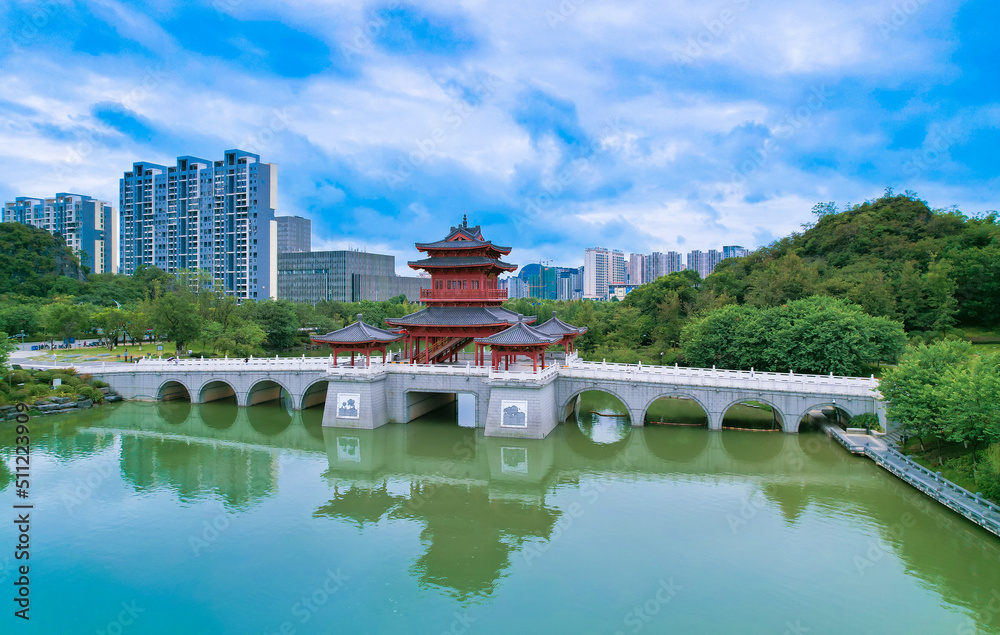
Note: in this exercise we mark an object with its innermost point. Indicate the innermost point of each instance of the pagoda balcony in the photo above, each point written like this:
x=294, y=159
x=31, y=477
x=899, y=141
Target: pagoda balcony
x=469, y=295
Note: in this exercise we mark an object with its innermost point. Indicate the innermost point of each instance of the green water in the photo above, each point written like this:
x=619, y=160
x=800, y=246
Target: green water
x=213, y=519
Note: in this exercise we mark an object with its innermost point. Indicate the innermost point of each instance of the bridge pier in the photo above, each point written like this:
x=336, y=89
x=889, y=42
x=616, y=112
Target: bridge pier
x=359, y=402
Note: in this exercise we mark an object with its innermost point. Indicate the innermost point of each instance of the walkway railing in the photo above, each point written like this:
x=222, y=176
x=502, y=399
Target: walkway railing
x=958, y=499
x=722, y=378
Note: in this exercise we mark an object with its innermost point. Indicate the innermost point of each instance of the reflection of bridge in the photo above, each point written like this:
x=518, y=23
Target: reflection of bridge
x=443, y=476
x=508, y=403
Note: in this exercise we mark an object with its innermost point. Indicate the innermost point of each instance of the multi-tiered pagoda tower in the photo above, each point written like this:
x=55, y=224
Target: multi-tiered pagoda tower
x=463, y=302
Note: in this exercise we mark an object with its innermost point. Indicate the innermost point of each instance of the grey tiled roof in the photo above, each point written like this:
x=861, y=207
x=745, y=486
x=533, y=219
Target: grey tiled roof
x=464, y=261
x=555, y=326
x=358, y=333
x=456, y=316
x=461, y=244
x=519, y=334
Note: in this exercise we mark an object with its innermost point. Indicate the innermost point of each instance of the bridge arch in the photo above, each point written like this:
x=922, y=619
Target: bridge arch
x=314, y=394
x=264, y=390
x=584, y=436
x=677, y=395
x=780, y=418
x=173, y=389
x=595, y=388
x=215, y=389
x=831, y=404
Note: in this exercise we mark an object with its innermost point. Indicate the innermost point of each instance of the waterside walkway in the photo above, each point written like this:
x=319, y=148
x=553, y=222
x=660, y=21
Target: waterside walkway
x=972, y=506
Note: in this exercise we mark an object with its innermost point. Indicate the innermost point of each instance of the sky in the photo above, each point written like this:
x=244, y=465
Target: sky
x=554, y=124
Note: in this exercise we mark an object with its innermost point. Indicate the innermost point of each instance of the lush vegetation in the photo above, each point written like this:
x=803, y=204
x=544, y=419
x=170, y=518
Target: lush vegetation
x=29, y=386
x=854, y=275
x=948, y=400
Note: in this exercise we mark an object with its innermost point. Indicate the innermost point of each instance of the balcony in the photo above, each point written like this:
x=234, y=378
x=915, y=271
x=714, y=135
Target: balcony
x=471, y=295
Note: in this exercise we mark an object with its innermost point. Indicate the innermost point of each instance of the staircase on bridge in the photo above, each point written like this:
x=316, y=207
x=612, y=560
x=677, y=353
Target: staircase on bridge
x=442, y=349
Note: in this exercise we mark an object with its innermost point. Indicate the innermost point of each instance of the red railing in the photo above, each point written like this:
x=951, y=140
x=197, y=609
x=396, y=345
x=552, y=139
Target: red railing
x=463, y=294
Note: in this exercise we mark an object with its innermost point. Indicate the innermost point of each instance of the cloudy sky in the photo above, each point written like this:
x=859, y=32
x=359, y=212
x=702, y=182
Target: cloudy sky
x=556, y=125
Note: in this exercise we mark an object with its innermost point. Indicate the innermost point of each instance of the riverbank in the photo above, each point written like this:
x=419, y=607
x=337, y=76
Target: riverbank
x=972, y=506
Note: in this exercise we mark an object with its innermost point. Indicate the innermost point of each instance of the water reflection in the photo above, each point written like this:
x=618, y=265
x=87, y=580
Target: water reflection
x=477, y=500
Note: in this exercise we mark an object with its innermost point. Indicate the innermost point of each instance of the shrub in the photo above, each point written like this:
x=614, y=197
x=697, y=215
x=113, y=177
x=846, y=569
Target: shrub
x=19, y=396
x=866, y=420
x=97, y=383
x=988, y=473
x=89, y=392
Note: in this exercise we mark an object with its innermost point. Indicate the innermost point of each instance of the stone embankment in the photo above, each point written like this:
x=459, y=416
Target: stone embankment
x=59, y=405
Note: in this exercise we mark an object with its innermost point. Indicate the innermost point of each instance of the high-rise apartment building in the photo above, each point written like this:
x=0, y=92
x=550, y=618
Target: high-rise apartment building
x=617, y=274
x=659, y=264
x=597, y=270
x=294, y=234
x=704, y=262
x=637, y=269
x=214, y=216
x=89, y=226
x=734, y=251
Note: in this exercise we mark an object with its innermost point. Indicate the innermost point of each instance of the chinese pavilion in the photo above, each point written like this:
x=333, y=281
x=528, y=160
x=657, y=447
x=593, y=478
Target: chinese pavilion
x=565, y=333
x=463, y=302
x=358, y=337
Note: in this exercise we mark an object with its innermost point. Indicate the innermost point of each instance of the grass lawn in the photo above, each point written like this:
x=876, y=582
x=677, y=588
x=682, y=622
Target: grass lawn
x=102, y=354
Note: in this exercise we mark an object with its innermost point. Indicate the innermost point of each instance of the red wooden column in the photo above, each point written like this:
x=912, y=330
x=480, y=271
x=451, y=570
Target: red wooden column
x=334, y=355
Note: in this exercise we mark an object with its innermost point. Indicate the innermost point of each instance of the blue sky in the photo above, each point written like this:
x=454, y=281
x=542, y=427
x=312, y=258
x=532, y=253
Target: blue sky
x=557, y=125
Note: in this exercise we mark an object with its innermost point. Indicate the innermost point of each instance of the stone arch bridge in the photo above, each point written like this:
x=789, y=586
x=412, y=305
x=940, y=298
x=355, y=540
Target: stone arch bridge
x=507, y=403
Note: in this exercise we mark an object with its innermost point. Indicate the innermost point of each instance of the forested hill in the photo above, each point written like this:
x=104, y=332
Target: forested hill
x=894, y=256
x=33, y=262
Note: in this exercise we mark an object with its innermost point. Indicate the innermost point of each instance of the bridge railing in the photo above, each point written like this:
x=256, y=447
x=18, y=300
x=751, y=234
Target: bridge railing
x=524, y=375
x=720, y=377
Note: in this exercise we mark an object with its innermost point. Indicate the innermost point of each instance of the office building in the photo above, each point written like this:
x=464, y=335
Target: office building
x=734, y=251
x=294, y=234
x=89, y=226
x=213, y=216
x=596, y=263
x=570, y=284
x=516, y=287
x=343, y=276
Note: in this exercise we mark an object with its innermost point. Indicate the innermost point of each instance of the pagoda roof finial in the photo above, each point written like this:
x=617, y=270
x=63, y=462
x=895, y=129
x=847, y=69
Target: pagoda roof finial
x=465, y=220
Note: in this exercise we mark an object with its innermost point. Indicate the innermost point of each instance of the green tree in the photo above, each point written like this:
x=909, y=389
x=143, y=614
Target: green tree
x=971, y=395
x=138, y=320
x=913, y=390
x=6, y=347
x=279, y=322
x=176, y=318
x=112, y=322
x=65, y=320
